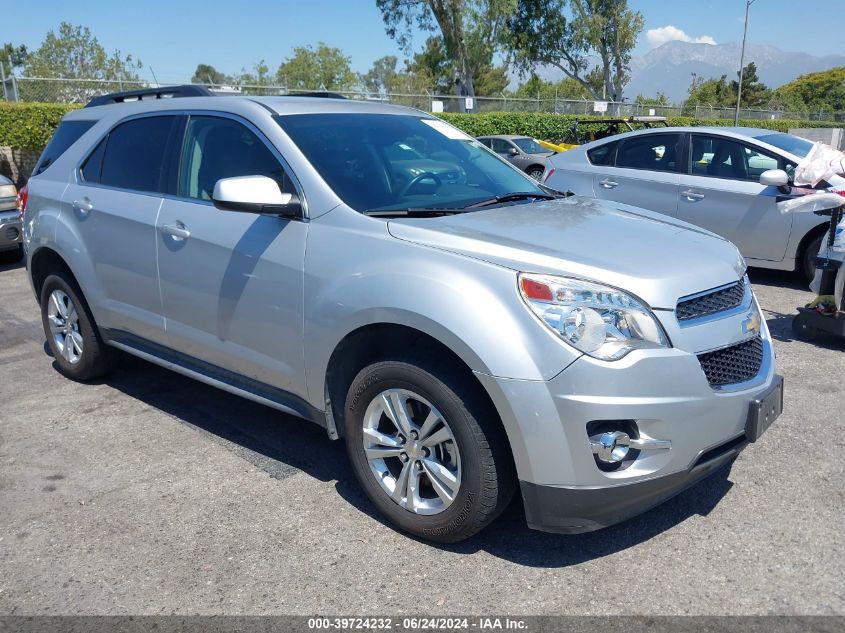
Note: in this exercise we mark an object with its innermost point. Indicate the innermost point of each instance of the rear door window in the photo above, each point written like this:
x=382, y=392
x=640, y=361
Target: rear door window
x=66, y=135
x=654, y=152
x=135, y=154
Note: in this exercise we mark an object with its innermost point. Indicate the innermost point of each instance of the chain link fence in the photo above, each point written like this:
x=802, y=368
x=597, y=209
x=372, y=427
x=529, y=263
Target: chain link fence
x=51, y=90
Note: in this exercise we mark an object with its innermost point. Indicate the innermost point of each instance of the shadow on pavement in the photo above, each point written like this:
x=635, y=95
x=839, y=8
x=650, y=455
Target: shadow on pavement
x=778, y=278
x=6, y=265
x=282, y=445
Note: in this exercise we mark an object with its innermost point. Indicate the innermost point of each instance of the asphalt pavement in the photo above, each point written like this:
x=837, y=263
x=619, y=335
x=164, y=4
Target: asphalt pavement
x=150, y=493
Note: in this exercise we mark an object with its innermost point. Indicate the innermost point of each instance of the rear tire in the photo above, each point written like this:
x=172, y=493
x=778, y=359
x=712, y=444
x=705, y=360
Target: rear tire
x=442, y=481
x=71, y=332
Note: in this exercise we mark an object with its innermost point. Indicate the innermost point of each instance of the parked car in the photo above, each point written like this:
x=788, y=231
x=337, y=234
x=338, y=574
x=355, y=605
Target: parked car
x=524, y=152
x=465, y=338
x=11, y=244
x=726, y=180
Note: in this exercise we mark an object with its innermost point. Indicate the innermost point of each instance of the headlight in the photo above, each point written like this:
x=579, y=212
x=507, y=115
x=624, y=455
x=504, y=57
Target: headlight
x=603, y=322
x=8, y=191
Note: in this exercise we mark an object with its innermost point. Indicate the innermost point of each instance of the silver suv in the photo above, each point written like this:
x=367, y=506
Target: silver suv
x=464, y=335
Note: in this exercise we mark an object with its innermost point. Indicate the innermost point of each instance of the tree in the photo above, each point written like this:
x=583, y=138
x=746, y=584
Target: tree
x=323, y=68
x=381, y=77
x=823, y=90
x=536, y=88
x=74, y=53
x=469, y=32
x=754, y=93
x=207, y=74
x=659, y=99
x=12, y=56
x=543, y=32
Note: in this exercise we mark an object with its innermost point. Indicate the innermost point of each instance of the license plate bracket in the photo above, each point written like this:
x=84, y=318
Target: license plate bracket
x=764, y=410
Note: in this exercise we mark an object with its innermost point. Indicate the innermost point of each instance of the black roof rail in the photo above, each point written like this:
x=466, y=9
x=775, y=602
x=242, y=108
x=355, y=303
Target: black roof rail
x=187, y=90
x=320, y=94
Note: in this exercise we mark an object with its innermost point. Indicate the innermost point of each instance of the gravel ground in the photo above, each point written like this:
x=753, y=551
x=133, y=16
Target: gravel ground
x=149, y=493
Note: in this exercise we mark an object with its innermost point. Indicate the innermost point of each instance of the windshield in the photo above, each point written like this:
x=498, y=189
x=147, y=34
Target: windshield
x=530, y=146
x=787, y=142
x=388, y=161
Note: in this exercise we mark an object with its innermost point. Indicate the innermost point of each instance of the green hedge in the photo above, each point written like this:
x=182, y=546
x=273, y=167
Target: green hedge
x=30, y=125
x=556, y=127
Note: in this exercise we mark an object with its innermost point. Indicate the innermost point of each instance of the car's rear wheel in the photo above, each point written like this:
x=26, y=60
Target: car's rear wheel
x=70, y=329
x=427, y=450
x=808, y=257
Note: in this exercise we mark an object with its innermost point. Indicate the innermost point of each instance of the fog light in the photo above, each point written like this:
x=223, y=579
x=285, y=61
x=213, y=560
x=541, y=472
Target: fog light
x=611, y=447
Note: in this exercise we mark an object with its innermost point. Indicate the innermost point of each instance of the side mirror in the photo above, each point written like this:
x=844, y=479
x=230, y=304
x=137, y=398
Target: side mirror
x=513, y=151
x=255, y=194
x=774, y=178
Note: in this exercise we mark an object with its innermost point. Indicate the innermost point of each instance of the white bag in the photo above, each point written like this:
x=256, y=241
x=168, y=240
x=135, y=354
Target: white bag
x=819, y=164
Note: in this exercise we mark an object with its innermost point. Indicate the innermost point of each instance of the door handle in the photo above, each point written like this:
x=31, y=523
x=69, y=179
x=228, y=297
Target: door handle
x=692, y=196
x=607, y=183
x=83, y=207
x=177, y=231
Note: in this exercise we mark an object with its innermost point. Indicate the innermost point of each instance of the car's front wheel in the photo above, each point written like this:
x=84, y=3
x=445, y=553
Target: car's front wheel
x=71, y=331
x=427, y=450
x=808, y=259
x=536, y=173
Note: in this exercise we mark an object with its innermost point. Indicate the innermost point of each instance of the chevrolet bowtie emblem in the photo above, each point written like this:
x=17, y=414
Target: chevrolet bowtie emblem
x=751, y=324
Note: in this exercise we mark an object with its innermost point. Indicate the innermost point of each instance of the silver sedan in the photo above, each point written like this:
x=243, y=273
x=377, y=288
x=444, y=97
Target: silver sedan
x=727, y=180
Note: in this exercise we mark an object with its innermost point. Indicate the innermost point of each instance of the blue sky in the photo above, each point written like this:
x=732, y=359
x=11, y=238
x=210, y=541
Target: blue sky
x=172, y=37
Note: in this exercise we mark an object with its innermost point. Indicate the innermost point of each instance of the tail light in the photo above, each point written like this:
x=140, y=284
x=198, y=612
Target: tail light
x=23, y=194
x=548, y=174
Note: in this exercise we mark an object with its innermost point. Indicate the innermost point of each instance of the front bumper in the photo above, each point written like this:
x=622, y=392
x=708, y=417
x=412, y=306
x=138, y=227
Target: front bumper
x=664, y=392
x=576, y=510
x=11, y=231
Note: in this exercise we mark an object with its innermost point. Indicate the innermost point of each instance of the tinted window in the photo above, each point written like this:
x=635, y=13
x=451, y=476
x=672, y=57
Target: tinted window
x=727, y=158
x=216, y=148
x=66, y=135
x=501, y=146
x=135, y=154
x=530, y=146
x=602, y=155
x=349, y=152
x=94, y=163
x=655, y=152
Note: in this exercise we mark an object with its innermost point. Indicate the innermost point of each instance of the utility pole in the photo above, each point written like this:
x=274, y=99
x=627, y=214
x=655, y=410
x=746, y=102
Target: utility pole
x=748, y=4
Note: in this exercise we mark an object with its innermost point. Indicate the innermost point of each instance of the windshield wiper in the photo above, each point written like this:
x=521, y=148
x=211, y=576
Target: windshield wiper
x=417, y=212
x=512, y=197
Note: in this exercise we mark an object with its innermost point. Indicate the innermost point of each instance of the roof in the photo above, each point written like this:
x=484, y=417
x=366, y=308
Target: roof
x=507, y=137
x=281, y=105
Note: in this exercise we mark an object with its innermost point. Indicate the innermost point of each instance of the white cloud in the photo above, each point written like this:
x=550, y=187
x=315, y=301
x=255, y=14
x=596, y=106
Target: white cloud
x=657, y=37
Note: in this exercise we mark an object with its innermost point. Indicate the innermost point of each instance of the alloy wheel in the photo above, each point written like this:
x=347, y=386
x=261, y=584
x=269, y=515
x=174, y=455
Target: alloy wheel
x=412, y=451
x=64, y=326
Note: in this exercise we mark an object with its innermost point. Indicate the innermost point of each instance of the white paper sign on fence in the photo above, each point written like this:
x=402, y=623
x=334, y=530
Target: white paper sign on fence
x=437, y=106
x=600, y=106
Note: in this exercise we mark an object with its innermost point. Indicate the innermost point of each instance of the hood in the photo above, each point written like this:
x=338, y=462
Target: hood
x=653, y=256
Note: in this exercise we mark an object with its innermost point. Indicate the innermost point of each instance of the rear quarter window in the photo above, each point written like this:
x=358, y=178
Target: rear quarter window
x=66, y=135
x=602, y=155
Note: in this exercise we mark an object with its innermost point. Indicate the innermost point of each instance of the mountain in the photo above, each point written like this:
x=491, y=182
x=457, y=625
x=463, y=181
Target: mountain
x=668, y=68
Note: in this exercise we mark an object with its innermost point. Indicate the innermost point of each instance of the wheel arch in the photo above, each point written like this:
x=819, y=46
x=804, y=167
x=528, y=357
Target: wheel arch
x=392, y=341
x=44, y=262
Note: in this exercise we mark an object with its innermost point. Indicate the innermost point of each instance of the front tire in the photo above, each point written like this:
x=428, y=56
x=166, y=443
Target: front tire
x=808, y=257
x=427, y=450
x=536, y=173
x=71, y=332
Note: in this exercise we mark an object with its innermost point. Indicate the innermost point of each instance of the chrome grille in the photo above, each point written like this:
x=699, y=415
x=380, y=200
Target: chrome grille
x=734, y=364
x=706, y=304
